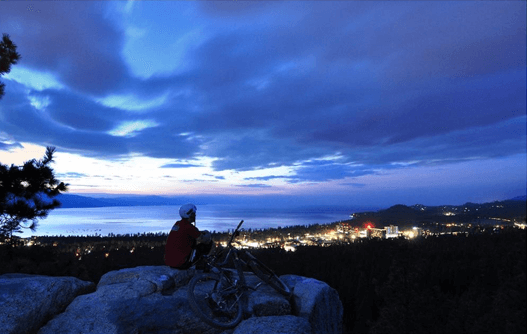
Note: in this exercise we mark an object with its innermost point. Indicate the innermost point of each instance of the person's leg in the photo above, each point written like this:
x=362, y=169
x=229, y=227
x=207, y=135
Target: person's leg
x=187, y=264
x=201, y=249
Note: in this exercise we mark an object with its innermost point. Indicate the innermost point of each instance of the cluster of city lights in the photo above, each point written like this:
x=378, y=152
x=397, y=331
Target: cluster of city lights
x=341, y=233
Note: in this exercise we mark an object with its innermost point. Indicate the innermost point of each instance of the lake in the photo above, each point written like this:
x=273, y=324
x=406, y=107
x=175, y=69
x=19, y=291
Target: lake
x=153, y=219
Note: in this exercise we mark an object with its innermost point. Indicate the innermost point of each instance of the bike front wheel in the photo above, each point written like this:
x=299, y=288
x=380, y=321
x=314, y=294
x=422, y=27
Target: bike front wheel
x=269, y=277
x=215, y=299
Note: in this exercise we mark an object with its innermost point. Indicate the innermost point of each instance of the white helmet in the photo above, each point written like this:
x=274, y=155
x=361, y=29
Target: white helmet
x=186, y=210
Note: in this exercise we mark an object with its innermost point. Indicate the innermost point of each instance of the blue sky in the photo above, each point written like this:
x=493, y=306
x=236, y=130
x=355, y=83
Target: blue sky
x=345, y=102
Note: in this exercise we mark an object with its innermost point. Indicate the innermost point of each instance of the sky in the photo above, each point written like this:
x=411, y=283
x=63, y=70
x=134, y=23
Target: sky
x=344, y=102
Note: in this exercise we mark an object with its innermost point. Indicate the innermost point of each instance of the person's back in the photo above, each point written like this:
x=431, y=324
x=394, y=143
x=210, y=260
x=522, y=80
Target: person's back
x=184, y=238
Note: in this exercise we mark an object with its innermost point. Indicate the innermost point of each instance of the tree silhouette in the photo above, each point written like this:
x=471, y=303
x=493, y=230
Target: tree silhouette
x=8, y=57
x=27, y=194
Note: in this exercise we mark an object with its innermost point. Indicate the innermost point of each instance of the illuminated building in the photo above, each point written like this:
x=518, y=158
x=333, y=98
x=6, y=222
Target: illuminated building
x=392, y=231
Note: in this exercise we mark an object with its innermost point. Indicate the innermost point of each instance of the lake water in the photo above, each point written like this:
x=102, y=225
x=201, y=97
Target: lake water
x=153, y=219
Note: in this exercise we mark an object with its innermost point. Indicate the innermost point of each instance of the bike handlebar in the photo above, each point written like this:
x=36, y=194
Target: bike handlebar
x=234, y=233
x=229, y=248
x=239, y=225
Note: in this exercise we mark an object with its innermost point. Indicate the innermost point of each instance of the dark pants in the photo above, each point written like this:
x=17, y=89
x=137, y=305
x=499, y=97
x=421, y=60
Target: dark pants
x=196, y=255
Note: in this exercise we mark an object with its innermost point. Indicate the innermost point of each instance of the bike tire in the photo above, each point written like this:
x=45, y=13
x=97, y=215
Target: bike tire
x=211, y=302
x=269, y=277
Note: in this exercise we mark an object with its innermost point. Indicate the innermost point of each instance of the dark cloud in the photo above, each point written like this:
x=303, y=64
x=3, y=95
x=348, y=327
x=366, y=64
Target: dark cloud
x=325, y=171
x=229, y=9
x=179, y=166
x=161, y=142
x=322, y=171
x=26, y=123
x=339, y=104
x=198, y=181
x=456, y=40
x=354, y=184
x=9, y=146
x=382, y=85
x=71, y=175
x=266, y=178
x=79, y=112
x=434, y=112
x=74, y=40
x=500, y=140
x=254, y=185
x=78, y=125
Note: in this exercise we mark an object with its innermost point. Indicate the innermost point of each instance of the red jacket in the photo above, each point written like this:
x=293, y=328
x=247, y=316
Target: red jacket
x=180, y=242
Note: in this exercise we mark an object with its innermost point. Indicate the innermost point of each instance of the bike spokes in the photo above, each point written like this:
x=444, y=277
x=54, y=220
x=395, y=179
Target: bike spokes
x=215, y=300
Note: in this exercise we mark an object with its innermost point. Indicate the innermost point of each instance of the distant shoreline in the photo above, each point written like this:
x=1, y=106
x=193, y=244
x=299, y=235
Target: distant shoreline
x=78, y=201
x=137, y=217
x=159, y=219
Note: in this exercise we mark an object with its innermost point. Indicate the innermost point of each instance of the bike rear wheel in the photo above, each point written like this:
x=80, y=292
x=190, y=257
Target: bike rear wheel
x=215, y=300
x=269, y=277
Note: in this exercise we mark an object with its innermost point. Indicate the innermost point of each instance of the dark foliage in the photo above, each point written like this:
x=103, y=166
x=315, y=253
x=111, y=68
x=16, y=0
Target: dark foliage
x=27, y=194
x=408, y=216
x=453, y=284
x=8, y=57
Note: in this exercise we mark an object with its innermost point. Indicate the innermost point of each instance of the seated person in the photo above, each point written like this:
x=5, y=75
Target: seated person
x=186, y=244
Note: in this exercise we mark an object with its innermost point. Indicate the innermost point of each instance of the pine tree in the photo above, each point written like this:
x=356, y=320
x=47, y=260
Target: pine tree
x=27, y=193
x=8, y=57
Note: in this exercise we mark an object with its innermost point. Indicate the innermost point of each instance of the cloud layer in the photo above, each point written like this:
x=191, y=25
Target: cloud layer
x=332, y=90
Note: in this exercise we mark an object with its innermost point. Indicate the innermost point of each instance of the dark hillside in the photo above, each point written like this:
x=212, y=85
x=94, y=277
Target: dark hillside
x=450, y=284
x=405, y=216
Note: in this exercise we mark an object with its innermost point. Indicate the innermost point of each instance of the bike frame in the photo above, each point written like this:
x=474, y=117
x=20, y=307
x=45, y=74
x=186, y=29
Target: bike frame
x=239, y=265
x=233, y=288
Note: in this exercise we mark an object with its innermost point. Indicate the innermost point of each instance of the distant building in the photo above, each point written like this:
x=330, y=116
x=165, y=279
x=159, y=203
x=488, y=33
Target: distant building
x=378, y=233
x=392, y=231
x=418, y=232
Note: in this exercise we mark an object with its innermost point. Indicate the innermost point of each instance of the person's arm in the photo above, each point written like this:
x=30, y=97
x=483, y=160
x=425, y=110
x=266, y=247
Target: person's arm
x=204, y=237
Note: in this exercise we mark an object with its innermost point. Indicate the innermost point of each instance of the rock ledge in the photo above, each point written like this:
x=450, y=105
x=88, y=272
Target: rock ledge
x=153, y=300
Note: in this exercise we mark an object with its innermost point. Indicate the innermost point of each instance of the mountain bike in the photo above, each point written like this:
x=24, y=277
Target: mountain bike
x=218, y=295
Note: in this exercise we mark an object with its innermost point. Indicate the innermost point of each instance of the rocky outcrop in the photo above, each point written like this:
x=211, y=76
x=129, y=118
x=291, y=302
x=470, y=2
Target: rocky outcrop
x=154, y=300
x=317, y=302
x=286, y=324
x=28, y=301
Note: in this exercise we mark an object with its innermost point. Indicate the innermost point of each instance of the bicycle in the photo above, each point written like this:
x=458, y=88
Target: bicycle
x=218, y=297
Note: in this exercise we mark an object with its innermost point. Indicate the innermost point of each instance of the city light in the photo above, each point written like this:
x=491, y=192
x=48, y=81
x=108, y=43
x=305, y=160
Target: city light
x=345, y=232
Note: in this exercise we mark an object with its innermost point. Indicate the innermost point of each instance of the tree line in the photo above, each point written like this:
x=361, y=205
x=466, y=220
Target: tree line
x=453, y=284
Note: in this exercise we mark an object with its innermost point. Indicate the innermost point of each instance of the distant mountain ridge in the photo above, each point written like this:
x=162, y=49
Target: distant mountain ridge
x=78, y=201
x=469, y=212
x=519, y=198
